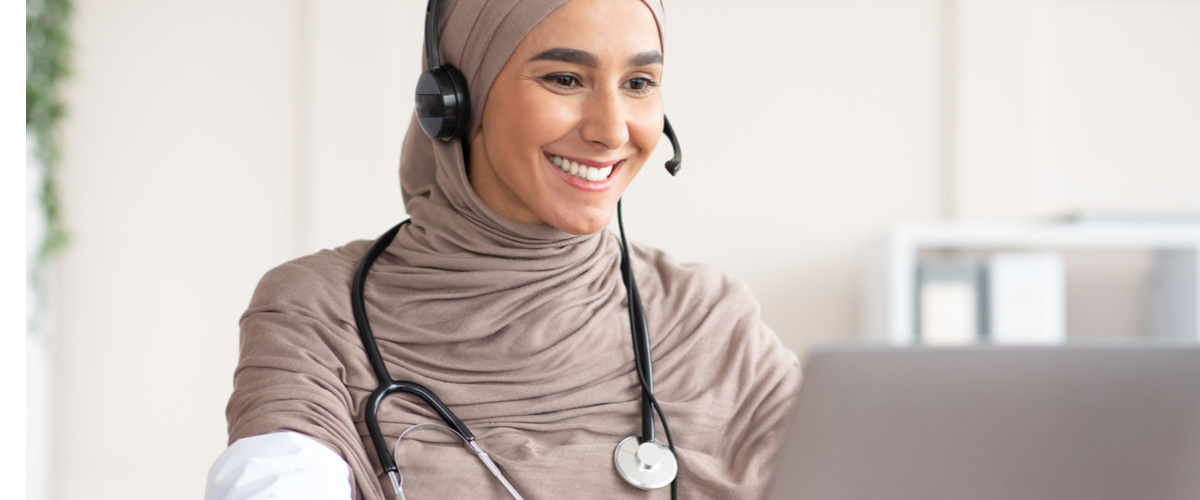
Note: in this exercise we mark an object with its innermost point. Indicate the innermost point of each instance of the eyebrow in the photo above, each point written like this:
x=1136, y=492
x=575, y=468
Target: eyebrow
x=646, y=58
x=572, y=56
x=581, y=57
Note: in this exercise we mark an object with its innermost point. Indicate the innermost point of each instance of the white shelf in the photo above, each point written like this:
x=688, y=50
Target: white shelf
x=892, y=279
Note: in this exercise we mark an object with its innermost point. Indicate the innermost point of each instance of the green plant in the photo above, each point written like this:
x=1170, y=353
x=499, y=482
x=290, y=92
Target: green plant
x=47, y=54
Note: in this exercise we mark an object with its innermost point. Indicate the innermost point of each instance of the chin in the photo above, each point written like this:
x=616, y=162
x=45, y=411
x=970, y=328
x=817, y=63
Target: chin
x=579, y=224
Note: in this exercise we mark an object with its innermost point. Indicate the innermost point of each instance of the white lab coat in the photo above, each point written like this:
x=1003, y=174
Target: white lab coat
x=281, y=465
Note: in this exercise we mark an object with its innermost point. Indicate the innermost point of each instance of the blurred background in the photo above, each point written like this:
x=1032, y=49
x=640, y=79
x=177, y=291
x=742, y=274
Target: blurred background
x=840, y=155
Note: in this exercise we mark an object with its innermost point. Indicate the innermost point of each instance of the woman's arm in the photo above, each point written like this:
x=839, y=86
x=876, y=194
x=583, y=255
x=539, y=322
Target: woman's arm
x=278, y=465
x=296, y=337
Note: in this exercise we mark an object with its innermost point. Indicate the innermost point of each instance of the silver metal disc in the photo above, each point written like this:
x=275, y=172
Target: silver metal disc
x=648, y=466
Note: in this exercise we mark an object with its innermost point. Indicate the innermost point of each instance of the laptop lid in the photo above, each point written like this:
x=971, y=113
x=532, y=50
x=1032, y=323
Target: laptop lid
x=1067, y=422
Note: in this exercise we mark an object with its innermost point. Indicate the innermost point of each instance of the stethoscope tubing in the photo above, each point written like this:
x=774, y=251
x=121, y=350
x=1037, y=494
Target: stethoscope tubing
x=386, y=384
x=641, y=338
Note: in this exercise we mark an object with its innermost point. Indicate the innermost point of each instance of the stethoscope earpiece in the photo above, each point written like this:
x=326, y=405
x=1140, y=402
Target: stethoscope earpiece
x=650, y=465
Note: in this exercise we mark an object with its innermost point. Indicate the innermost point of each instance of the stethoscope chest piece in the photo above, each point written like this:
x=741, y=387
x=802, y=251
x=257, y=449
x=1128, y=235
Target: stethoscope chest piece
x=649, y=465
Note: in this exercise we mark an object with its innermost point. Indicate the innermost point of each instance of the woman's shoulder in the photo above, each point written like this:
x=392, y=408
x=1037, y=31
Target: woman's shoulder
x=705, y=282
x=311, y=278
x=666, y=268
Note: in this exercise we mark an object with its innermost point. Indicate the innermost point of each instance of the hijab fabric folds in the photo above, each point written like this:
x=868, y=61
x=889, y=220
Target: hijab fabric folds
x=522, y=331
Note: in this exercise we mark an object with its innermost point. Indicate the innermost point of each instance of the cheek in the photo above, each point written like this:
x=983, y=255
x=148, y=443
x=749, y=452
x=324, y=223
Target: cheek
x=539, y=118
x=517, y=130
x=647, y=132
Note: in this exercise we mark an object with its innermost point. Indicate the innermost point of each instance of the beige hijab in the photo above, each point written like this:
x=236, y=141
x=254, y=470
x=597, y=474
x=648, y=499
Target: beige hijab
x=522, y=330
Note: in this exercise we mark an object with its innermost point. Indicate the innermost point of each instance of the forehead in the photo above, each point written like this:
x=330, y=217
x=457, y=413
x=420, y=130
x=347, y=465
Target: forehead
x=620, y=27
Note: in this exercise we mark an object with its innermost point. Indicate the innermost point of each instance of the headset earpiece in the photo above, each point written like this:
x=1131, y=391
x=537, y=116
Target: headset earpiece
x=443, y=109
x=442, y=104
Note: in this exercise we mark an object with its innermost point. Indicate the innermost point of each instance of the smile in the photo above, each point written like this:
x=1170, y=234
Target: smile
x=591, y=174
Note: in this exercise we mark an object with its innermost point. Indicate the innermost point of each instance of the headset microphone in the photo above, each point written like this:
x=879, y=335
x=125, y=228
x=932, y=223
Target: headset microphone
x=676, y=162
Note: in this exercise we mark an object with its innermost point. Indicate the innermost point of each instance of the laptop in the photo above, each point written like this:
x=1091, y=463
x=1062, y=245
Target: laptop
x=1072, y=422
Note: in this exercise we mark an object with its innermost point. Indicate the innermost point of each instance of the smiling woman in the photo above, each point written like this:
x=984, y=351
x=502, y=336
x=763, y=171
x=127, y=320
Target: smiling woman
x=505, y=296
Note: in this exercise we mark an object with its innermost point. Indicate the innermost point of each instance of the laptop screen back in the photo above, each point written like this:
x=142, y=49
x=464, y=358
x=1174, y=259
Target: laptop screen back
x=1103, y=422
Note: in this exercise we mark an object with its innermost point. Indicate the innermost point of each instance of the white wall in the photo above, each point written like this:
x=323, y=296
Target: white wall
x=210, y=141
x=180, y=189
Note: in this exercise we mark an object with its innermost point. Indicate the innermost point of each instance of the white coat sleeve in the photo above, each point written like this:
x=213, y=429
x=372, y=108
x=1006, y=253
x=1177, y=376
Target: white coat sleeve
x=282, y=465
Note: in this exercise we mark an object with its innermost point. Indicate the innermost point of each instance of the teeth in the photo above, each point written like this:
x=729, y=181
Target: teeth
x=585, y=172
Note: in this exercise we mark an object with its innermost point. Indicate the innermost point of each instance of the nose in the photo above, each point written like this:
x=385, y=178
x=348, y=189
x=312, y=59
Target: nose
x=605, y=120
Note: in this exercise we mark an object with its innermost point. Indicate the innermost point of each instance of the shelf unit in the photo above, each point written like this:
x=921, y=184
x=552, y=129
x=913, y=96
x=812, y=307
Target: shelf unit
x=1174, y=305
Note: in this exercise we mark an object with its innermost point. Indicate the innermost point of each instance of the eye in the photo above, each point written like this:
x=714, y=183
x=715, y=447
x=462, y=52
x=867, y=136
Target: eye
x=641, y=85
x=563, y=81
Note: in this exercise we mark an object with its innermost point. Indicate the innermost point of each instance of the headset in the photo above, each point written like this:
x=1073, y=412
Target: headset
x=443, y=104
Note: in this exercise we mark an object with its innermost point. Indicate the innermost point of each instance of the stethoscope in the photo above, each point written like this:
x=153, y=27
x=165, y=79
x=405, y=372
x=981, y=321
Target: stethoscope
x=642, y=460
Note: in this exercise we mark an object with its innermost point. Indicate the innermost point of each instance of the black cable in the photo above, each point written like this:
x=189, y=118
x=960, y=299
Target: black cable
x=641, y=344
x=641, y=349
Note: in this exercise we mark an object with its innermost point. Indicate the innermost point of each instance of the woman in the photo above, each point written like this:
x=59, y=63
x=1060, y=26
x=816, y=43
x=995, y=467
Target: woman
x=504, y=296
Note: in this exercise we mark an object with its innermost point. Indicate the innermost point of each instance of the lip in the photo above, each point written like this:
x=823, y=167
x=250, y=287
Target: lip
x=581, y=184
x=584, y=161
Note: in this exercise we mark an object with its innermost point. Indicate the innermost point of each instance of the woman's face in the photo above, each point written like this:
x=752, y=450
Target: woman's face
x=572, y=116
